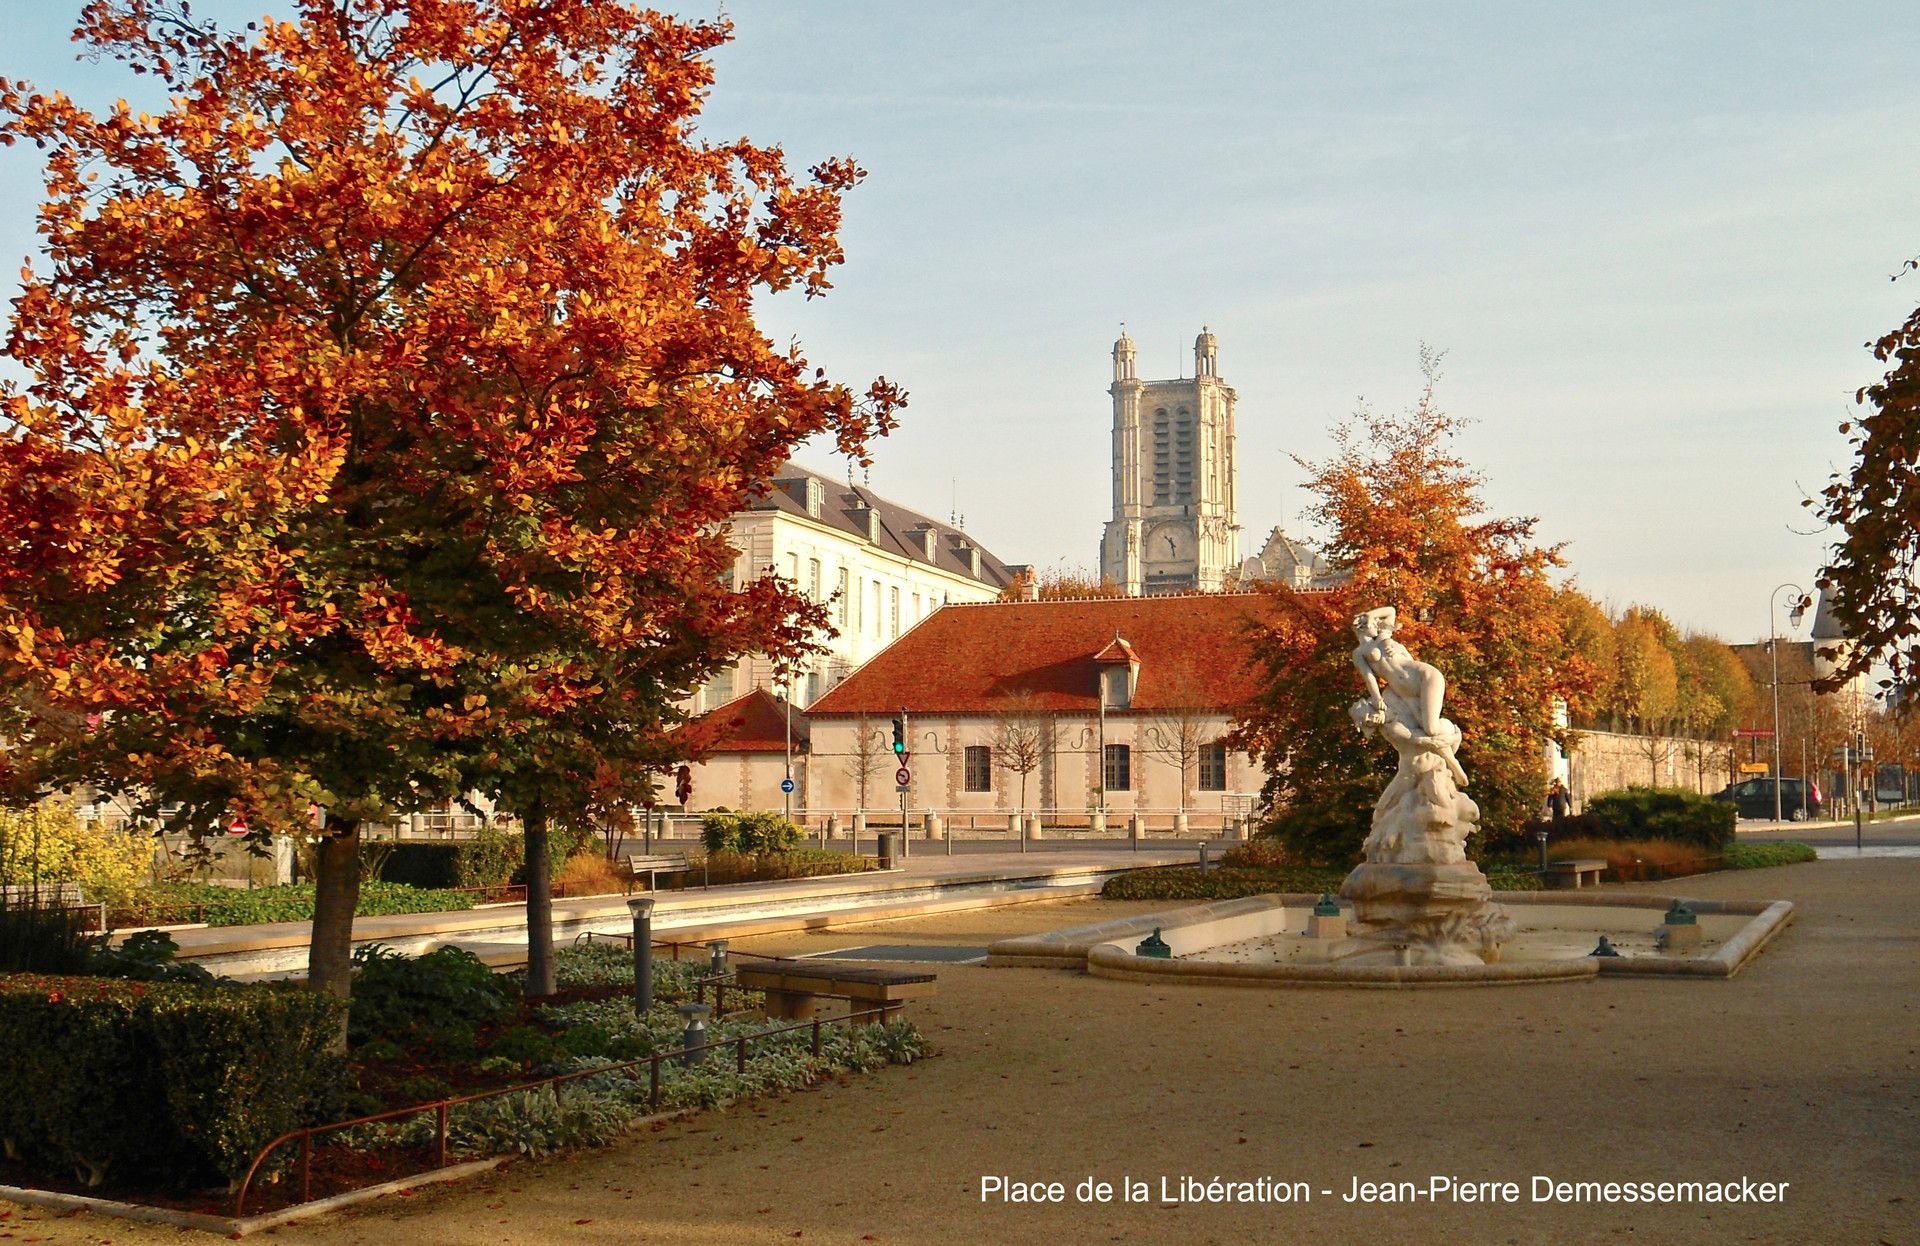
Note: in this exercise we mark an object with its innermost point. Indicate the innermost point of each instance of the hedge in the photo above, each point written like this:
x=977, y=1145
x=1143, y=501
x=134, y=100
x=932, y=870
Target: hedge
x=1673, y=813
x=166, y=904
x=425, y=865
x=1184, y=882
x=160, y=1082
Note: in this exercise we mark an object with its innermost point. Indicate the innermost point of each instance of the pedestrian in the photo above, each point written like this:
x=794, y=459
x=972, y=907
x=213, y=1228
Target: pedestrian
x=1559, y=804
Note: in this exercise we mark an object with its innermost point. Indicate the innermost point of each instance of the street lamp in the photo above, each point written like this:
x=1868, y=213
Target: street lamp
x=1800, y=603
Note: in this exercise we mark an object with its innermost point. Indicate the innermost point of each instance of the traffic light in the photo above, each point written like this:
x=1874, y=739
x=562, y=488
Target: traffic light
x=900, y=736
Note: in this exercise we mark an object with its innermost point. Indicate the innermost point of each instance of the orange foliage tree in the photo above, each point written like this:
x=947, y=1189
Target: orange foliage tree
x=387, y=395
x=1473, y=597
x=1873, y=575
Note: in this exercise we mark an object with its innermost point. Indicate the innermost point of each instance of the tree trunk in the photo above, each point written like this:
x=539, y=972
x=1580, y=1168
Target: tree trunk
x=540, y=975
x=336, y=896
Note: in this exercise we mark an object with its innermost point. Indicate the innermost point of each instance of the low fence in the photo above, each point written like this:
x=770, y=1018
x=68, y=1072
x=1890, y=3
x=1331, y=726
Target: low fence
x=740, y=1044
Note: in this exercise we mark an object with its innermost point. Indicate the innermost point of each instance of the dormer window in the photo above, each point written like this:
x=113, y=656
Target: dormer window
x=1116, y=693
x=973, y=558
x=816, y=497
x=930, y=542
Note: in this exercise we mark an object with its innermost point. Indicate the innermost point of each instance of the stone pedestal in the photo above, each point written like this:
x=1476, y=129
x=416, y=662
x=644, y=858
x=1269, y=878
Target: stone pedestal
x=1033, y=828
x=936, y=828
x=1424, y=914
x=1319, y=927
x=1097, y=822
x=1680, y=940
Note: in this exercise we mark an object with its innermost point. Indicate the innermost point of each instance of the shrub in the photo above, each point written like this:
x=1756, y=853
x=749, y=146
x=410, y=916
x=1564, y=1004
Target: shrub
x=524, y=1045
x=146, y=956
x=727, y=866
x=752, y=834
x=166, y=904
x=424, y=865
x=402, y=998
x=1264, y=852
x=490, y=859
x=46, y=843
x=1669, y=813
x=160, y=1081
x=1757, y=856
x=590, y=874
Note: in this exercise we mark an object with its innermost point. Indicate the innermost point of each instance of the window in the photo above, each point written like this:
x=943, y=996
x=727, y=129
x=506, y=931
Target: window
x=813, y=579
x=1118, y=771
x=1213, y=767
x=1115, y=677
x=917, y=616
x=1162, y=482
x=979, y=768
x=793, y=570
x=718, y=690
x=876, y=609
x=816, y=497
x=840, y=597
x=813, y=688
x=896, y=614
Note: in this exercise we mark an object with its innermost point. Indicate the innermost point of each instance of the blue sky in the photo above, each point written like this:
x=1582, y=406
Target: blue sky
x=1652, y=240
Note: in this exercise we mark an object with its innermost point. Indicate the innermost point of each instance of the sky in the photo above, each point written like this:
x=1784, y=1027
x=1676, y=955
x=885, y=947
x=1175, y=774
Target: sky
x=1651, y=239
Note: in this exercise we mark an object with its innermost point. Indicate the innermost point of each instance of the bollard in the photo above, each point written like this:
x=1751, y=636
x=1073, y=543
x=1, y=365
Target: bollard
x=717, y=958
x=1203, y=858
x=833, y=826
x=696, y=1034
x=1180, y=825
x=642, y=910
x=885, y=849
x=1135, y=831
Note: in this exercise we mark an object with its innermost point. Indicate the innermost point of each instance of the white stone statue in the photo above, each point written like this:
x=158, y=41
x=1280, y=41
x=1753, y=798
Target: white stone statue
x=1417, y=899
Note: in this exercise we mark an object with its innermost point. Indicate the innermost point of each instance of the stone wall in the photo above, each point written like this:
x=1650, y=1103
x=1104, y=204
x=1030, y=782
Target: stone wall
x=1606, y=762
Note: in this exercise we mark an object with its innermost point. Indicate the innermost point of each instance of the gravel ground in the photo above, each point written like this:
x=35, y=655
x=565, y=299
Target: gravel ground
x=1800, y=1070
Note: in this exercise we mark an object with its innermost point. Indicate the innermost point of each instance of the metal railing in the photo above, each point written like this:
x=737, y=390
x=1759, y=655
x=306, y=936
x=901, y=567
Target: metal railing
x=439, y=1107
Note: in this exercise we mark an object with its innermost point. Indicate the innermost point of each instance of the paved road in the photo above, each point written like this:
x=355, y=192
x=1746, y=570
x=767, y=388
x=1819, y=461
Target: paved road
x=1903, y=831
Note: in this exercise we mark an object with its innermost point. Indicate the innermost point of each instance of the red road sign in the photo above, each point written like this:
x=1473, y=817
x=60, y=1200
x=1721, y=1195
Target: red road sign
x=903, y=777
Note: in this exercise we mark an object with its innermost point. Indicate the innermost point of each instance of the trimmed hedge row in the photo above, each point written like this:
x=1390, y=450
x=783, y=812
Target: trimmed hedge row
x=1674, y=813
x=750, y=834
x=157, y=1081
x=1184, y=882
x=166, y=904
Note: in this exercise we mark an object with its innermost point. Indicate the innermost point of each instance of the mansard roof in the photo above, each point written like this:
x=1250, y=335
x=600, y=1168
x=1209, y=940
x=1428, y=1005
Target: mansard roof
x=901, y=528
x=969, y=659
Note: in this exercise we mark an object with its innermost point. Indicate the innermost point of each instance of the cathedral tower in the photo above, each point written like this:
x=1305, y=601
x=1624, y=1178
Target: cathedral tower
x=1174, y=522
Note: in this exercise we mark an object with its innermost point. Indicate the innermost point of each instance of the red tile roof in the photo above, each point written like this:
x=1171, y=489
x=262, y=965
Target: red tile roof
x=967, y=659
x=754, y=723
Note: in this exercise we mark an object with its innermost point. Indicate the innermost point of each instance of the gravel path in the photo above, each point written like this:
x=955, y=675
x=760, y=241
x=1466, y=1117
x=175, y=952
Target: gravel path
x=1801, y=1070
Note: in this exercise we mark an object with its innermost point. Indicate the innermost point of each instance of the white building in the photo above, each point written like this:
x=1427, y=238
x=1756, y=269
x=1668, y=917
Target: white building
x=880, y=567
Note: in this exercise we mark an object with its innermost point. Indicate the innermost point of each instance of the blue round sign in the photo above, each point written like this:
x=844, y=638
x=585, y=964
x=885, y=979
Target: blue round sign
x=786, y=785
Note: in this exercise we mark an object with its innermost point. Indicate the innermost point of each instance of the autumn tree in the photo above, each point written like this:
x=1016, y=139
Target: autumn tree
x=1873, y=578
x=1407, y=528
x=386, y=396
x=1059, y=585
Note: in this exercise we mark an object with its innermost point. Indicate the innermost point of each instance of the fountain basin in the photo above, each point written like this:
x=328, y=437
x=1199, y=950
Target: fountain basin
x=1260, y=941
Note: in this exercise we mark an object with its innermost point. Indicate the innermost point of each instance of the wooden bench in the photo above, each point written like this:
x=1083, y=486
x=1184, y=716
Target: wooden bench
x=792, y=986
x=634, y=864
x=1573, y=873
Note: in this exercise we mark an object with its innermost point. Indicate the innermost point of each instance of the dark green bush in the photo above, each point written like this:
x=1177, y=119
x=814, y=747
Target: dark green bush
x=422, y=1088
x=407, y=998
x=146, y=956
x=1672, y=813
x=166, y=904
x=160, y=1081
x=496, y=858
x=432, y=866
x=754, y=834
x=523, y=1045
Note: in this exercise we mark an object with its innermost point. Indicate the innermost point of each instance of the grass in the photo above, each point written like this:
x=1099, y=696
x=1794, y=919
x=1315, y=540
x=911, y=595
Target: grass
x=1760, y=856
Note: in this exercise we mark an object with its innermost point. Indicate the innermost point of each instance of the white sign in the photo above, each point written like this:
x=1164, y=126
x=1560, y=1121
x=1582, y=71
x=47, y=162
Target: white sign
x=903, y=777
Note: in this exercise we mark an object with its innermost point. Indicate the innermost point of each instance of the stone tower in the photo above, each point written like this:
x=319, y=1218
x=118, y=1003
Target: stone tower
x=1173, y=527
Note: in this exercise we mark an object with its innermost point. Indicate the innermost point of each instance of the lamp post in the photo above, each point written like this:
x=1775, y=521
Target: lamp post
x=1773, y=648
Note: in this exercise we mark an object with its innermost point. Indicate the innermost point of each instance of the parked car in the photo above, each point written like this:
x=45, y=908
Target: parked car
x=1799, y=799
